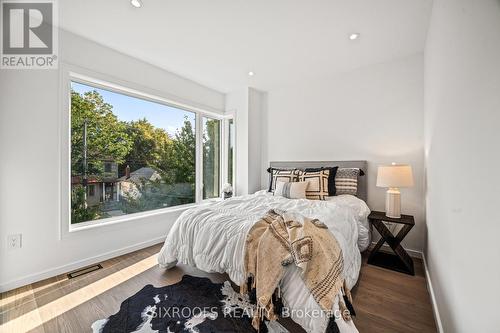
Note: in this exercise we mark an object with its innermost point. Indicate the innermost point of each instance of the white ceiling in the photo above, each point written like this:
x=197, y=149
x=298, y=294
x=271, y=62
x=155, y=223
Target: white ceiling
x=217, y=42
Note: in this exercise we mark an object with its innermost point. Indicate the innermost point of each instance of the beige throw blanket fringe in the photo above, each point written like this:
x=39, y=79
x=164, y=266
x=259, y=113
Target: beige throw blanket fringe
x=280, y=239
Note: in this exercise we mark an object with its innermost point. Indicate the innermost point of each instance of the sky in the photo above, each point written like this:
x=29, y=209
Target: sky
x=129, y=108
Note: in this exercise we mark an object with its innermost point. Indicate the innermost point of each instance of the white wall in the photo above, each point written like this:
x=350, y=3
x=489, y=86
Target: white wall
x=237, y=104
x=374, y=113
x=257, y=104
x=30, y=154
x=248, y=105
x=462, y=133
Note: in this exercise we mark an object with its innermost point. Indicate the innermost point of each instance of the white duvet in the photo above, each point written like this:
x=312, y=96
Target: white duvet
x=212, y=238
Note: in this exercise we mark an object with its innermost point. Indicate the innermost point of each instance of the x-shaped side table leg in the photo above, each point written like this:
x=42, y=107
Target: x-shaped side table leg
x=379, y=259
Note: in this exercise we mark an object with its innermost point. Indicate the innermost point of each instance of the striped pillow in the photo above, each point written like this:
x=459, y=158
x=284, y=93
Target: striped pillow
x=284, y=175
x=291, y=190
x=317, y=189
x=346, y=181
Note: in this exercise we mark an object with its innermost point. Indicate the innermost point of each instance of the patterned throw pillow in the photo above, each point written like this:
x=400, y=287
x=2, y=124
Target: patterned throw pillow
x=331, y=178
x=317, y=189
x=284, y=175
x=291, y=190
x=346, y=181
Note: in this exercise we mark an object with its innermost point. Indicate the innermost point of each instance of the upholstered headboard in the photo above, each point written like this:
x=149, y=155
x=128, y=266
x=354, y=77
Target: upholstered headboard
x=362, y=187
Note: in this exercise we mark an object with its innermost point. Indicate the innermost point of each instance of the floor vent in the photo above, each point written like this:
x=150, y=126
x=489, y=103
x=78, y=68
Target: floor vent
x=84, y=271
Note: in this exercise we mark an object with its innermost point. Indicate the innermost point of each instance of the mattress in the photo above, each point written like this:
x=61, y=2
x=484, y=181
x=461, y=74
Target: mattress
x=212, y=238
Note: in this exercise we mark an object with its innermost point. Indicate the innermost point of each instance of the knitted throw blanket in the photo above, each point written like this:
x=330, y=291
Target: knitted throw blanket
x=280, y=239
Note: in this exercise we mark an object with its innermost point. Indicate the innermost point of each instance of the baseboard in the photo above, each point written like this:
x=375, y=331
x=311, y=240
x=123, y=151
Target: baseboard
x=28, y=279
x=437, y=317
x=413, y=253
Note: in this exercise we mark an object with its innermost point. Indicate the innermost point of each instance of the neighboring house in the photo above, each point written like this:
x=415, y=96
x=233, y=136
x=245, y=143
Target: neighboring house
x=103, y=188
x=129, y=184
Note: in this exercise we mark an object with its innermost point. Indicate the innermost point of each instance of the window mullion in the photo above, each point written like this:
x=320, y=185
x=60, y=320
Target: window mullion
x=199, y=158
x=223, y=155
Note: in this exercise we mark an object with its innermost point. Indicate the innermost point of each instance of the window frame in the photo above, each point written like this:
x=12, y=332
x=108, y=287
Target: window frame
x=91, y=190
x=106, y=164
x=129, y=89
x=226, y=138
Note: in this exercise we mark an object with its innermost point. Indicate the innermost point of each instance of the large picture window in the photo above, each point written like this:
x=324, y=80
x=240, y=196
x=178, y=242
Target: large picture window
x=131, y=155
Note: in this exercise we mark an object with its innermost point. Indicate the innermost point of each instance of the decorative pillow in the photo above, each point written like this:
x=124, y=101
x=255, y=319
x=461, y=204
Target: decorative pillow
x=317, y=189
x=284, y=175
x=291, y=190
x=331, y=178
x=346, y=181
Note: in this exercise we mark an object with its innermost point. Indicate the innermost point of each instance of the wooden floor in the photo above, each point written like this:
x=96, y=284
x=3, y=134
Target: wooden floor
x=385, y=301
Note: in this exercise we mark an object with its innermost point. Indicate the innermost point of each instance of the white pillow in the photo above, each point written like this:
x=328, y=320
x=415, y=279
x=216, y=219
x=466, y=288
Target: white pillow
x=291, y=190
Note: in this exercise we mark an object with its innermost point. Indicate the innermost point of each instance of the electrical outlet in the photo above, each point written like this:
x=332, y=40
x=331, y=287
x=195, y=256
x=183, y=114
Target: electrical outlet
x=14, y=241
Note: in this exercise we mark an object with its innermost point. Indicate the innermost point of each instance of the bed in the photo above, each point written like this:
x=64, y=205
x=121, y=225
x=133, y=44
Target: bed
x=212, y=238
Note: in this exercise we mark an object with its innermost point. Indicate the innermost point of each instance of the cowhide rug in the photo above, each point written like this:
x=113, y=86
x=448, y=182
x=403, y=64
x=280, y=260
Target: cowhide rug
x=194, y=305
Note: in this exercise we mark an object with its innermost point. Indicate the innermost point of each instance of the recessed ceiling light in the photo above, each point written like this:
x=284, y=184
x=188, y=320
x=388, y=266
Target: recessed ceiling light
x=354, y=36
x=251, y=73
x=136, y=3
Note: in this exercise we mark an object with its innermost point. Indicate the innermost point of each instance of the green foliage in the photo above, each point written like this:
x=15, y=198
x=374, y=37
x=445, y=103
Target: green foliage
x=149, y=145
x=178, y=164
x=107, y=137
x=79, y=210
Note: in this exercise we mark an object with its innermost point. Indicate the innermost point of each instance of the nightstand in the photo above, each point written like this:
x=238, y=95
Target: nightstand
x=400, y=261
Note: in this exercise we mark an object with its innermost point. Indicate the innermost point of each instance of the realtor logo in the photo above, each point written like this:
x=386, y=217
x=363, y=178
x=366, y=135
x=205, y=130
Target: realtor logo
x=29, y=34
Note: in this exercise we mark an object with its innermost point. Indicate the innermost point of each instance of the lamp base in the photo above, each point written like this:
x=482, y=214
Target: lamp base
x=393, y=203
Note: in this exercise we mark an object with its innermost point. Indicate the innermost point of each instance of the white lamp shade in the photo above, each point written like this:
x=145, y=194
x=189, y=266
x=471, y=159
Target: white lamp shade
x=398, y=175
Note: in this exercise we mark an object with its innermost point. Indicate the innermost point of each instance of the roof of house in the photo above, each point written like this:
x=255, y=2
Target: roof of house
x=141, y=174
x=90, y=180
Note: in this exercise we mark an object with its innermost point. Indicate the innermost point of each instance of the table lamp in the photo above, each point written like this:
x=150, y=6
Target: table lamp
x=393, y=177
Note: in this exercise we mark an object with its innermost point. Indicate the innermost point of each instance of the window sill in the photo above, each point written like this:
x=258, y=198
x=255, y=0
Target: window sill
x=136, y=216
